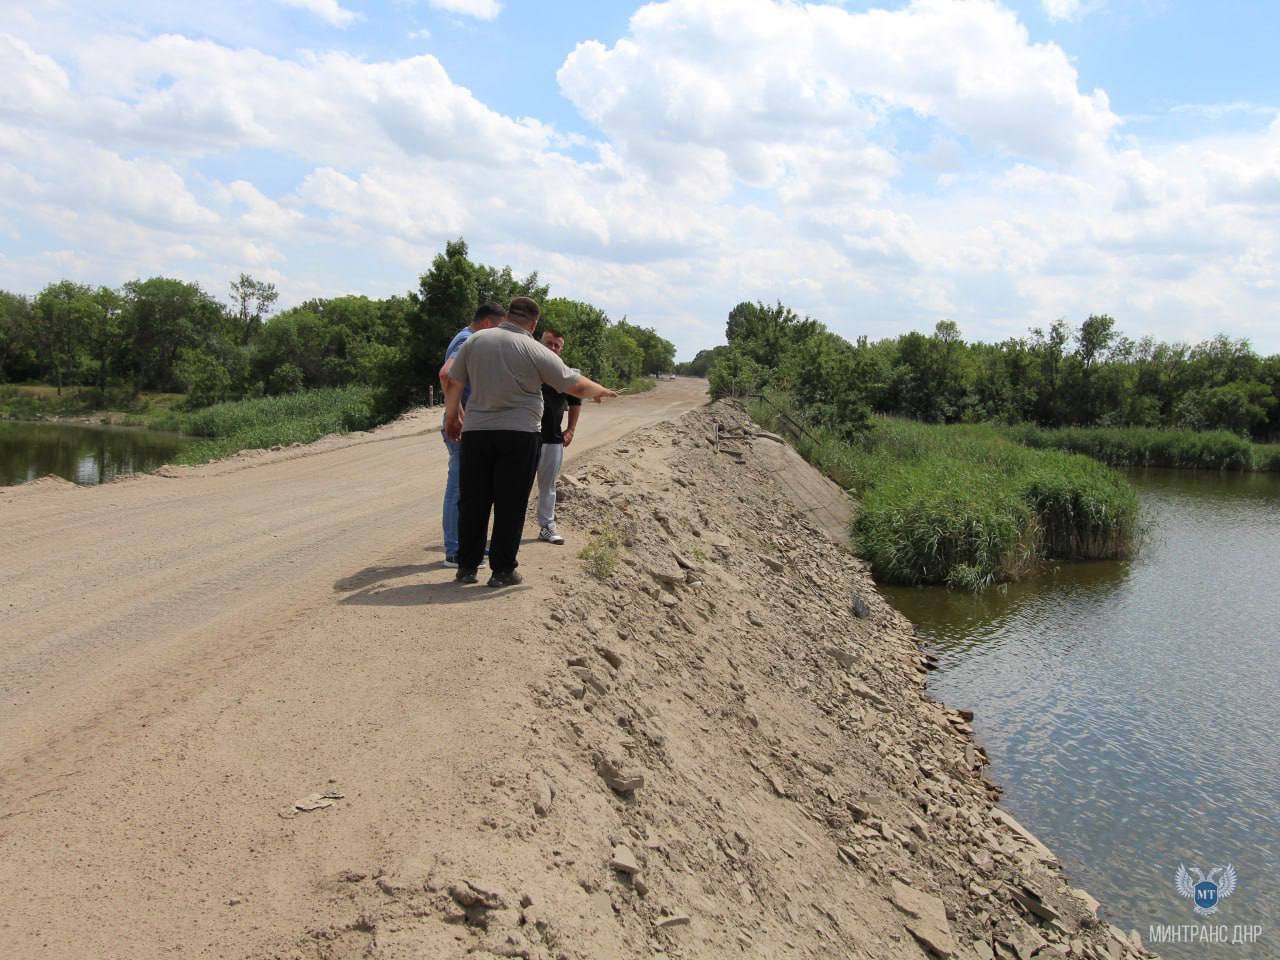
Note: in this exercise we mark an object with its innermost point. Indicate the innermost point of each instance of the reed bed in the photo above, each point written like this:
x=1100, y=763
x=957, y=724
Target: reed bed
x=966, y=506
x=278, y=421
x=1150, y=447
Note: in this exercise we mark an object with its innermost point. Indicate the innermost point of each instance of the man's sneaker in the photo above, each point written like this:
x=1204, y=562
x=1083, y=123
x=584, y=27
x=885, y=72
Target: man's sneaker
x=548, y=534
x=451, y=561
x=464, y=576
x=508, y=579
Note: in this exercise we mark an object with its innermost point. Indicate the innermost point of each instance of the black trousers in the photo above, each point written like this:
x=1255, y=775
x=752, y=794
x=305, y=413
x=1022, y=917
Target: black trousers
x=495, y=475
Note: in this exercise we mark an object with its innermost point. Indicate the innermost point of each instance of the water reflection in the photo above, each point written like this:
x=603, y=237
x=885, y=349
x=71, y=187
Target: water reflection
x=1132, y=710
x=82, y=454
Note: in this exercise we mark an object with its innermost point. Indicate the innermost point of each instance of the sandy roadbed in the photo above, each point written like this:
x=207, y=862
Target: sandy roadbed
x=182, y=654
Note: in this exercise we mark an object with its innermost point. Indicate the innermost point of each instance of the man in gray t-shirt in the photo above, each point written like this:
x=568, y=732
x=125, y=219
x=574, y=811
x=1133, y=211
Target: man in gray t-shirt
x=500, y=430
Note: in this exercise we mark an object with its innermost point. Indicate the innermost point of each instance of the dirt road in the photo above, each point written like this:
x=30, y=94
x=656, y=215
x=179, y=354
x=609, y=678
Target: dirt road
x=183, y=656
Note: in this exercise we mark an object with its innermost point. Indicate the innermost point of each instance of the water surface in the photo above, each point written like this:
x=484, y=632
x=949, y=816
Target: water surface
x=1132, y=710
x=80, y=453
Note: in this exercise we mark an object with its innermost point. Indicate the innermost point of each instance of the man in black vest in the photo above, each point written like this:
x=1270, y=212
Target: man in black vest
x=554, y=444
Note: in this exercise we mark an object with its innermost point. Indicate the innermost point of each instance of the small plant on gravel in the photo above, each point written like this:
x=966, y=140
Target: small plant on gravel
x=600, y=555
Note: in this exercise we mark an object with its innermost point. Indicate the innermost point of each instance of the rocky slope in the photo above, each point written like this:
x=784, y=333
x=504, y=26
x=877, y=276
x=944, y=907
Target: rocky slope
x=724, y=749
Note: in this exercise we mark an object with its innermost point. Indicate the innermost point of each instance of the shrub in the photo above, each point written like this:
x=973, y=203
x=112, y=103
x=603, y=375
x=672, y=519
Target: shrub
x=601, y=554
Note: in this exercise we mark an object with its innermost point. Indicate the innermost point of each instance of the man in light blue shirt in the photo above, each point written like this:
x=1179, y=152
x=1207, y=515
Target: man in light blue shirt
x=488, y=315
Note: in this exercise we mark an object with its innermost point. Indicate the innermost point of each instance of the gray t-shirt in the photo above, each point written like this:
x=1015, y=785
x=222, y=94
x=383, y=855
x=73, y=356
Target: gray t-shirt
x=506, y=368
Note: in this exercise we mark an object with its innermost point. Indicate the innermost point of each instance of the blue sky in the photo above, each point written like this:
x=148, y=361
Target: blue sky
x=879, y=166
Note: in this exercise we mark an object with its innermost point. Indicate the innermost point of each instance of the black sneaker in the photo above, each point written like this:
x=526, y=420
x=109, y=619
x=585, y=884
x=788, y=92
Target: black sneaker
x=464, y=575
x=508, y=579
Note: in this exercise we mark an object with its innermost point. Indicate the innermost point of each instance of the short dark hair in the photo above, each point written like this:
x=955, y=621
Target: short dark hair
x=555, y=333
x=526, y=308
x=490, y=309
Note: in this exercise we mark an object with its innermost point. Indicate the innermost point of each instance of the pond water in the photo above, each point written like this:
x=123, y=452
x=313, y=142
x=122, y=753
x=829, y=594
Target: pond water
x=1132, y=710
x=80, y=453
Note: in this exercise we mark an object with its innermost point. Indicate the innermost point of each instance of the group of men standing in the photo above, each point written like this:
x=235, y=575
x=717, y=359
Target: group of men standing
x=505, y=397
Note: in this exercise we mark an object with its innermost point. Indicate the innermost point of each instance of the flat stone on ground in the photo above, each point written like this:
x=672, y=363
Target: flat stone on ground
x=927, y=918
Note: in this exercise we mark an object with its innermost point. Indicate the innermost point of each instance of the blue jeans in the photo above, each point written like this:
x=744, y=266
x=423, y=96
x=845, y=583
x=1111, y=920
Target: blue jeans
x=451, y=498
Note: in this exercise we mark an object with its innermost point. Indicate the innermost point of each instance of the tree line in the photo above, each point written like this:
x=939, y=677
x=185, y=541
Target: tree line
x=1090, y=375
x=169, y=335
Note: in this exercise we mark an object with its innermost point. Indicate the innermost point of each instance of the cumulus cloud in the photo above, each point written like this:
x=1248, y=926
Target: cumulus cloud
x=34, y=84
x=879, y=170
x=754, y=87
x=328, y=10
x=480, y=9
x=198, y=97
x=1062, y=9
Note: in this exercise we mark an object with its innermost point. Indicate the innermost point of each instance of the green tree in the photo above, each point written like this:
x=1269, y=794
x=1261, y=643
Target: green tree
x=251, y=302
x=1050, y=349
x=161, y=317
x=624, y=358
x=17, y=354
x=829, y=379
x=735, y=374
x=63, y=312
x=659, y=353
x=102, y=335
x=501, y=286
x=1241, y=407
x=203, y=376
x=701, y=363
x=583, y=327
x=444, y=303
x=764, y=333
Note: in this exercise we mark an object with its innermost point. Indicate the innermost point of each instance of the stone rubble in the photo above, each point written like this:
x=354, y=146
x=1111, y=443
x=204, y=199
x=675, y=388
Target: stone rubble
x=746, y=761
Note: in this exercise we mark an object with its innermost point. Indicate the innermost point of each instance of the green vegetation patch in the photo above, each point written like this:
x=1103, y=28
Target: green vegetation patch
x=155, y=411
x=603, y=551
x=1152, y=447
x=965, y=506
x=639, y=385
x=278, y=421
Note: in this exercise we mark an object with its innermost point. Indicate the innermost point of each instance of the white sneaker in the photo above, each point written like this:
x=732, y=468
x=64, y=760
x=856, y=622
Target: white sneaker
x=548, y=534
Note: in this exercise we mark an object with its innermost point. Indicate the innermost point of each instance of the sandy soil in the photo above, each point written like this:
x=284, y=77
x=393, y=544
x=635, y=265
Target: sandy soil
x=248, y=714
x=183, y=655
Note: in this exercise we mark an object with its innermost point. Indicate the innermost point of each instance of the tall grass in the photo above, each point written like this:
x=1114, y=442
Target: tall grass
x=1150, y=447
x=967, y=507
x=278, y=421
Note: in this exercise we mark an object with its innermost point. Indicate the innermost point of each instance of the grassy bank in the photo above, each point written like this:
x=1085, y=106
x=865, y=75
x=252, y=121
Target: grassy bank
x=1146, y=447
x=222, y=429
x=967, y=507
x=157, y=411
x=278, y=421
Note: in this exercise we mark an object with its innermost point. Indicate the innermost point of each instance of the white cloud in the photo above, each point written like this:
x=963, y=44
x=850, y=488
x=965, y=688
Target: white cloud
x=1069, y=10
x=197, y=97
x=480, y=9
x=331, y=11
x=1063, y=9
x=879, y=170
x=34, y=84
x=754, y=87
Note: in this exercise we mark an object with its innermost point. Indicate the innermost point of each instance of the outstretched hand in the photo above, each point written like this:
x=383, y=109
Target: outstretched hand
x=604, y=393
